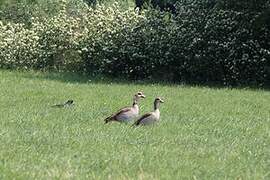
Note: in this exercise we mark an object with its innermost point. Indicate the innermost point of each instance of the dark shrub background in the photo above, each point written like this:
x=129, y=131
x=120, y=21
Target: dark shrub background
x=207, y=41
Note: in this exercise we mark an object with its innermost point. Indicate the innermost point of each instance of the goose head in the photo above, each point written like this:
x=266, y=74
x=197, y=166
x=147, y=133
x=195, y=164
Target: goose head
x=139, y=95
x=157, y=102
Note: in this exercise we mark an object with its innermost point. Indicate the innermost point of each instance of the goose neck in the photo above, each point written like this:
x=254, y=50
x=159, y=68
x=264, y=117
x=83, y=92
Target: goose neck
x=156, y=105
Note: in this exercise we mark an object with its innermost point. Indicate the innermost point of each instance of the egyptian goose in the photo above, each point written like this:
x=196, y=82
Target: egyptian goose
x=66, y=104
x=126, y=114
x=151, y=117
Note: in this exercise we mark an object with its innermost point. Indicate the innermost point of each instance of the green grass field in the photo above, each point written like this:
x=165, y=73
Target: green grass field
x=204, y=133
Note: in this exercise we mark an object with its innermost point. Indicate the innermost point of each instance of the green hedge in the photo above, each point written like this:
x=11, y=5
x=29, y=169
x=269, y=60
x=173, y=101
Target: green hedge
x=201, y=44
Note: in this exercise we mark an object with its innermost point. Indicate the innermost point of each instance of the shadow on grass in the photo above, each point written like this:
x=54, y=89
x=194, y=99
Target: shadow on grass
x=69, y=77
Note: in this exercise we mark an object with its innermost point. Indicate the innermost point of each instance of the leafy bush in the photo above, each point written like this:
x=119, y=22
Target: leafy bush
x=204, y=42
x=19, y=46
x=201, y=44
x=49, y=42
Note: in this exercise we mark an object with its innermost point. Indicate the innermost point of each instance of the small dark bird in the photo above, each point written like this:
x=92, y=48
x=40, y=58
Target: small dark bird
x=66, y=104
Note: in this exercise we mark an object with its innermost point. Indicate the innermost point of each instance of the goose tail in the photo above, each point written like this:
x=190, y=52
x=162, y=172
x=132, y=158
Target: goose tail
x=107, y=120
x=135, y=124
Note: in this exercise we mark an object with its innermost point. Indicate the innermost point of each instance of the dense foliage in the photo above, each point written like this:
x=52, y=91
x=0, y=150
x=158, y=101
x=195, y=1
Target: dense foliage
x=163, y=5
x=206, y=41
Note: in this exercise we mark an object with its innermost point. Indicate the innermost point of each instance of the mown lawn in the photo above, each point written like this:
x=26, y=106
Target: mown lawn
x=204, y=133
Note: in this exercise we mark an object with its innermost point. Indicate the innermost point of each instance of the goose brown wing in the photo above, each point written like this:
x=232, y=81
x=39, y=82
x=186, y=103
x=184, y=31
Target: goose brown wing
x=123, y=110
x=142, y=118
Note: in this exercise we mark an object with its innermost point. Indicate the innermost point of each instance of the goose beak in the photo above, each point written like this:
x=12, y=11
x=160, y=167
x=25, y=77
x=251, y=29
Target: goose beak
x=161, y=101
x=143, y=96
